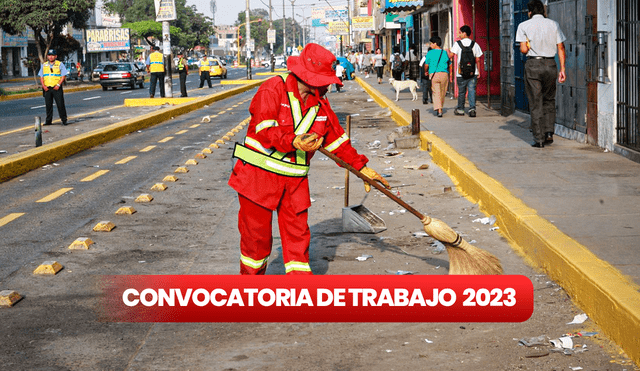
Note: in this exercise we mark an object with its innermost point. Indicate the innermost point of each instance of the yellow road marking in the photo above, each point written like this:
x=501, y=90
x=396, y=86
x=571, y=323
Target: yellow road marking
x=213, y=116
x=147, y=149
x=181, y=132
x=194, y=126
x=55, y=195
x=221, y=112
x=125, y=160
x=165, y=140
x=236, y=105
x=94, y=175
x=9, y=218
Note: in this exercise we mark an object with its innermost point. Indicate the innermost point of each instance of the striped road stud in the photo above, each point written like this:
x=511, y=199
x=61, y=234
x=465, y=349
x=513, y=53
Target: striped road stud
x=191, y=162
x=170, y=178
x=145, y=197
x=206, y=150
x=200, y=155
x=104, y=226
x=8, y=298
x=159, y=187
x=181, y=169
x=220, y=141
x=214, y=145
x=49, y=267
x=125, y=210
x=81, y=243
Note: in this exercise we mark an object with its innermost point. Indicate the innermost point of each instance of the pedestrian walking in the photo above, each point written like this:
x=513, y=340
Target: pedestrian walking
x=290, y=119
x=339, y=74
x=366, y=64
x=378, y=62
x=204, y=64
x=52, y=75
x=155, y=66
x=438, y=65
x=183, y=71
x=413, y=62
x=468, y=54
x=397, y=63
x=427, y=95
x=539, y=39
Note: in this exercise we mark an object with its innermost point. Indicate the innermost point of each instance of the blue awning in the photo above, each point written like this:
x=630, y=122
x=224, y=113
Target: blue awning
x=407, y=20
x=401, y=5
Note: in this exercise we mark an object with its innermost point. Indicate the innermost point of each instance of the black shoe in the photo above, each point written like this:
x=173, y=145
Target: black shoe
x=64, y=123
x=151, y=96
x=425, y=102
x=46, y=123
x=537, y=145
x=472, y=113
x=458, y=113
x=439, y=114
x=548, y=138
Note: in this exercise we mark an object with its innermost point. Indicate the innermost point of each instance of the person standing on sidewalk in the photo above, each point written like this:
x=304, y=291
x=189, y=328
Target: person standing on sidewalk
x=378, y=63
x=413, y=61
x=438, y=65
x=204, y=64
x=155, y=66
x=183, y=70
x=539, y=38
x=52, y=75
x=366, y=64
x=339, y=74
x=397, y=63
x=468, y=54
x=290, y=119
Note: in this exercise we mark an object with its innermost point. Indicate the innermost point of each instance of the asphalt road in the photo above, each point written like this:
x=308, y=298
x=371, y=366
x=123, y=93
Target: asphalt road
x=15, y=114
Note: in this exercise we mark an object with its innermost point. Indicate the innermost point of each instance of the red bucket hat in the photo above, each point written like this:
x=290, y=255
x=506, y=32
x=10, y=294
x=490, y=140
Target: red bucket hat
x=316, y=66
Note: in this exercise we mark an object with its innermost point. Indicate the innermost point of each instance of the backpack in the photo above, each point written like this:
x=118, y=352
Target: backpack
x=396, y=65
x=467, y=66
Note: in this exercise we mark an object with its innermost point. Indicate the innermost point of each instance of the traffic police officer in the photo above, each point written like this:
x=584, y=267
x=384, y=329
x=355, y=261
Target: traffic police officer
x=205, y=68
x=183, y=70
x=52, y=75
x=155, y=66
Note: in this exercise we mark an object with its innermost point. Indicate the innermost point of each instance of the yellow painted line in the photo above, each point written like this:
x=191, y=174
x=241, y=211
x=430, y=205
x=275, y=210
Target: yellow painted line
x=608, y=297
x=165, y=140
x=147, y=149
x=221, y=112
x=32, y=127
x=125, y=160
x=55, y=195
x=196, y=125
x=94, y=175
x=184, y=131
x=236, y=105
x=9, y=218
x=214, y=116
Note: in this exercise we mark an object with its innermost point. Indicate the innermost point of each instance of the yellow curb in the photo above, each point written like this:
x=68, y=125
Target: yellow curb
x=609, y=298
x=159, y=187
x=125, y=210
x=181, y=169
x=237, y=82
x=48, y=268
x=145, y=197
x=20, y=163
x=200, y=155
x=270, y=73
x=206, y=150
x=170, y=178
x=81, y=243
x=148, y=102
x=191, y=162
x=8, y=298
x=104, y=226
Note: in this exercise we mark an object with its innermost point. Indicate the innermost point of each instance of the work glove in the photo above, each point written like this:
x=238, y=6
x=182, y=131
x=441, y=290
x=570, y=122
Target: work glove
x=371, y=174
x=307, y=142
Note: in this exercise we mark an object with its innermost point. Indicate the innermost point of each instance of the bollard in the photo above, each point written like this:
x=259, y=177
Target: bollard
x=415, y=122
x=38, y=132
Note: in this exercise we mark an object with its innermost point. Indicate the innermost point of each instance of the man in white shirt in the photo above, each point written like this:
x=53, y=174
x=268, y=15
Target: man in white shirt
x=339, y=74
x=539, y=38
x=466, y=80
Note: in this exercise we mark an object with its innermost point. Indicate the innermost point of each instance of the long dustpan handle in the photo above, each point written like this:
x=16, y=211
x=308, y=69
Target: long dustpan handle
x=373, y=183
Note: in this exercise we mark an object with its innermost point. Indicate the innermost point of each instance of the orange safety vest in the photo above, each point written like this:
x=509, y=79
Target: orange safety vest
x=156, y=62
x=51, y=74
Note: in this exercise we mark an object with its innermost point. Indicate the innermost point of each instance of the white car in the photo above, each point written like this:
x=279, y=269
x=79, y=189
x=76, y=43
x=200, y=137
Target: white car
x=280, y=62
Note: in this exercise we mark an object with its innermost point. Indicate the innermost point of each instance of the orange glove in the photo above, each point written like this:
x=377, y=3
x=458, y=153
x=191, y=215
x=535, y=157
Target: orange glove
x=307, y=142
x=371, y=174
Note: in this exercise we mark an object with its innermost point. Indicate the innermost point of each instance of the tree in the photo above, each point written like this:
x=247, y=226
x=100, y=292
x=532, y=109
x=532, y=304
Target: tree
x=45, y=18
x=259, y=30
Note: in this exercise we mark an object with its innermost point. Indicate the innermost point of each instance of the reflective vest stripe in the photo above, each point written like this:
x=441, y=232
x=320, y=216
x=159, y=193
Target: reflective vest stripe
x=266, y=124
x=255, y=264
x=336, y=143
x=269, y=163
x=156, y=62
x=297, y=266
x=51, y=73
x=296, y=111
x=257, y=145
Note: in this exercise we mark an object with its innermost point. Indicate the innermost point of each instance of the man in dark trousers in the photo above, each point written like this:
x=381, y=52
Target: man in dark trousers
x=155, y=66
x=539, y=38
x=205, y=67
x=183, y=70
x=52, y=75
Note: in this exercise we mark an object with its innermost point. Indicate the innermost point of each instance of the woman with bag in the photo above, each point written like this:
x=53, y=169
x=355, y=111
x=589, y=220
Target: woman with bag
x=438, y=65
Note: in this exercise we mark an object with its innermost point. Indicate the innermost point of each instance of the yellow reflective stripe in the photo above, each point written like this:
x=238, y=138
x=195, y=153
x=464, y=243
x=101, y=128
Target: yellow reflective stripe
x=297, y=266
x=305, y=124
x=255, y=144
x=266, y=124
x=268, y=163
x=255, y=264
x=301, y=157
x=296, y=111
x=336, y=143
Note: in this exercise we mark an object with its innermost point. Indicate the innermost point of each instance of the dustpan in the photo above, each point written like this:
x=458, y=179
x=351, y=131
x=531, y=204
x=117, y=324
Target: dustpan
x=358, y=219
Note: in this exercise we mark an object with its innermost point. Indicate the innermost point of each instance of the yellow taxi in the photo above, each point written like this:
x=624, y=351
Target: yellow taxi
x=217, y=68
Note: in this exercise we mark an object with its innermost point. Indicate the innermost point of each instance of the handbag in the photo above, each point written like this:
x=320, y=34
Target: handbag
x=384, y=62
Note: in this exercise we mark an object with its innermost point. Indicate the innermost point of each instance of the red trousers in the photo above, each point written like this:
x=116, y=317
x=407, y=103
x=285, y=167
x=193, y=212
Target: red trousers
x=254, y=224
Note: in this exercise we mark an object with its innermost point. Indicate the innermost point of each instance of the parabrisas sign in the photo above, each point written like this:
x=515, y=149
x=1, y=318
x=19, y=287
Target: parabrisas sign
x=108, y=39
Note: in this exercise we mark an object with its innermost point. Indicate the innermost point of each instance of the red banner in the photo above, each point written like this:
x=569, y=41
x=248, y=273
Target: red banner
x=316, y=298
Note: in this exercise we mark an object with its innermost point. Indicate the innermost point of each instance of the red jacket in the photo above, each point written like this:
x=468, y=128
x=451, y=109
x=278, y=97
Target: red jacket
x=271, y=102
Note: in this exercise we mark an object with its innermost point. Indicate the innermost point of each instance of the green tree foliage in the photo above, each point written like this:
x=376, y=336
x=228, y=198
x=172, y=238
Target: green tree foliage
x=190, y=29
x=45, y=18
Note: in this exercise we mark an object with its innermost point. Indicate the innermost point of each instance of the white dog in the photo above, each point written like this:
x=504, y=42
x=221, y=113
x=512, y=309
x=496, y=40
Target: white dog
x=401, y=85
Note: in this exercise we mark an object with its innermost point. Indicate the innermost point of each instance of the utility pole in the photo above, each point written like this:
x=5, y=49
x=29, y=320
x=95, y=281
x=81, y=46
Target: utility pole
x=246, y=15
x=271, y=57
x=293, y=25
x=166, y=51
x=284, y=31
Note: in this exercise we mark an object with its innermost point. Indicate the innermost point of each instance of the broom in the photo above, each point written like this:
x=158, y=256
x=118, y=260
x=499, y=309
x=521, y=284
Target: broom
x=463, y=257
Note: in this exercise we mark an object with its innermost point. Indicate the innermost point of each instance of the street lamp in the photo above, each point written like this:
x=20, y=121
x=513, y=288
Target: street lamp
x=304, y=27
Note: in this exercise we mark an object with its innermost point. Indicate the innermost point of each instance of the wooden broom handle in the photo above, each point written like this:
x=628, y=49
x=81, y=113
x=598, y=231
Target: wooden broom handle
x=373, y=183
x=346, y=172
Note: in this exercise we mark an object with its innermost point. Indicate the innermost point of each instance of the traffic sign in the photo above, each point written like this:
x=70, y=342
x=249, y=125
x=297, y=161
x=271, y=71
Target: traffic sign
x=271, y=36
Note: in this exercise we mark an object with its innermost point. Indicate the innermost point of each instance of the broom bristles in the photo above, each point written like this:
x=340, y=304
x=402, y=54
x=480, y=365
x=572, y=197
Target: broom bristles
x=463, y=257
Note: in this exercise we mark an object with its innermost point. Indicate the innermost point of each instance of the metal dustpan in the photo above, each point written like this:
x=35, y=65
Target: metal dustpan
x=359, y=219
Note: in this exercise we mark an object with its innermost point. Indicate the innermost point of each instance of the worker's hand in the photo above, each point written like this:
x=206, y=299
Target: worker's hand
x=307, y=142
x=371, y=174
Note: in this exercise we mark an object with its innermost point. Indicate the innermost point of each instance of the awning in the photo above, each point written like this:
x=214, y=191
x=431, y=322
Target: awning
x=401, y=5
x=407, y=20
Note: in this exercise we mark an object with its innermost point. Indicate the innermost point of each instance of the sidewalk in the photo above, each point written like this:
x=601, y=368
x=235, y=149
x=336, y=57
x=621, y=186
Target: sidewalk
x=556, y=205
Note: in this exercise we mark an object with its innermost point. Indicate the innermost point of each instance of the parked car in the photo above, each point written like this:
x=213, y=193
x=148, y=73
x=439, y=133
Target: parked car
x=217, y=68
x=121, y=74
x=72, y=69
x=95, y=74
x=279, y=63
